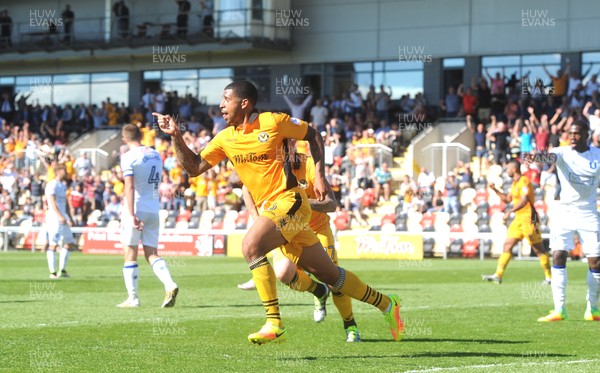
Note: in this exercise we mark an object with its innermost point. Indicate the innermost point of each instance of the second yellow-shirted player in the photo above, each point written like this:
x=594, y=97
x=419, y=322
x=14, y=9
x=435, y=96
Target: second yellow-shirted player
x=526, y=223
x=296, y=278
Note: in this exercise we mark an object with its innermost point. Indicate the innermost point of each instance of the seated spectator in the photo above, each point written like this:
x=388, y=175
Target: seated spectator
x=381, y=179
x=437, y=204
x=113, y=208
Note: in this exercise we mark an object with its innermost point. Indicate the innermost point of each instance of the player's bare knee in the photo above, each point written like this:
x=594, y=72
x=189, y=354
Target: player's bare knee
x=559, y=258
x=594, y=263
x=251, y=248
x=284, y=270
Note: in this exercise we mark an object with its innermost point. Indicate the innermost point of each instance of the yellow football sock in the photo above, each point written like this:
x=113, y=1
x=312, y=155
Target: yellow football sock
x=545, y=264
x=302, y=282
x=502, y=263
x=264, y=279
x=348, y=283
x=343, y=303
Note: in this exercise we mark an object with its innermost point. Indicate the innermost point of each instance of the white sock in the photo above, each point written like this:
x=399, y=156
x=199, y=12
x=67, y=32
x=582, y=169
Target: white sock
x=159, y=266
x=130, y=274
x=559, y=285
x=63, y=258
x=593, y=282
x=51, y=256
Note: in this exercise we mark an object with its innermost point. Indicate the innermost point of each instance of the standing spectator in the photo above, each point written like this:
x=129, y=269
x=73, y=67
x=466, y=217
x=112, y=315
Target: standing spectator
x=183, y=8
x=159, y=101
x=147, y=99
x=298, y=107
x=452, y=192
x=83, y=165
x=481, y=151
x=469, y=100
x=165, y=191
x=219, y=122
x=496, y=82
x=121, y=12
x=67, y=17
x=113, y=207
x=5, y=29
x=500, y=136
x=206, y=12
x=484, y=100
x=381, y=179
x=525, y=136
x=591, y=87
x=559, y=82
x=382, y=103
x=318, y=115
x=76, y=202
x=7, y=108
x=452, y=103
x=356, y=98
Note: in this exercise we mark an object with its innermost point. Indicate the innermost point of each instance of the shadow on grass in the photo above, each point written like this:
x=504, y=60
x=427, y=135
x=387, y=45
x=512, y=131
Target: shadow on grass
x=452, y=354
x=20, y=301
x=478, y=341
x=254, y=305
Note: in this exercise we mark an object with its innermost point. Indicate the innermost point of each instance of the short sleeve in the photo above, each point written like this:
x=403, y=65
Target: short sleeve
x=290, y=127
x=126, y=167
x=213, y=153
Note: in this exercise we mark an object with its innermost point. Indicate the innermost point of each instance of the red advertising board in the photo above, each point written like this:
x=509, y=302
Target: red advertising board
x=170, y=243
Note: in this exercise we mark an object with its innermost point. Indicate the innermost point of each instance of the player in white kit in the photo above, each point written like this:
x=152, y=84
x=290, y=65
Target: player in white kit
x=57, y=222
x=142, y=168
x=578, y=167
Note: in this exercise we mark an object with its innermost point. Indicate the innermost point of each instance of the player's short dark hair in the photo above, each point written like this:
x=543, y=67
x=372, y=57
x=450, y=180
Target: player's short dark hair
x=515, y=162
x=582, y=125
x=244, y=90
x=131, y=132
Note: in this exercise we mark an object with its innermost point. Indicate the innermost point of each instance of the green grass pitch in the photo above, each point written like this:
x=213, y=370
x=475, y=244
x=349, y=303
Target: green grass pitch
x=455, y=322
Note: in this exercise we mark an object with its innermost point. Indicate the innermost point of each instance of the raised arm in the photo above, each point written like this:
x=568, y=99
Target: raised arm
x=470, y=124
x=555, y=116
x=587, y=72
x=548, y=72
x=193, y=163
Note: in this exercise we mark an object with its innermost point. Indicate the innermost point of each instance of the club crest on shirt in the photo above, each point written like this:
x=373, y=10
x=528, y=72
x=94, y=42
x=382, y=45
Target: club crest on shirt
x=296, y=121
x=303, y=184
x=268, y=206
x=263, y=137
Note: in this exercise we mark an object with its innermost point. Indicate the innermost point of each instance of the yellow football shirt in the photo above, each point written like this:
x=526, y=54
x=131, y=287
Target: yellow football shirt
x=520, y=188
x=306, y=177
x=259, y=153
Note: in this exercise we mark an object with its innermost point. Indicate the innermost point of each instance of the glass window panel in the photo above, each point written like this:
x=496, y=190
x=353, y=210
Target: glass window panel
x=41, y=94
x=454, y=62
x=378, y=66
x=216, y=73
x=183, y=87
x=71, y=78
x=343, y=67
x=34, y=80
x=152, y=75
x=118, y=92
x=180, y=74
x=110, y=77
x=71, y=94
x=403, y=82
x=363, y=80
x=211, y=90
x=538, y=59
x=311, y=69
x=500, y=61
x=363, y=66
x=404, y=65
x=590, y=57
x=7, y=80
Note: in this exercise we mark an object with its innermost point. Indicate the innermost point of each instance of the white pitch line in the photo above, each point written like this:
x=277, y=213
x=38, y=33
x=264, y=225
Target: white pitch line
x=485, y=366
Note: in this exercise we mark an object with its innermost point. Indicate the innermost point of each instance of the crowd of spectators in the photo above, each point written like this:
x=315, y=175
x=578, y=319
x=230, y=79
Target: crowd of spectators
x=34, y=139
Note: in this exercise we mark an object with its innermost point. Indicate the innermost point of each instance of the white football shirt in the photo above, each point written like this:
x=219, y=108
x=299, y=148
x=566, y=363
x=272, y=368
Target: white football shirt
x=58, y=189
x=579, y=175
x=145, y=165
